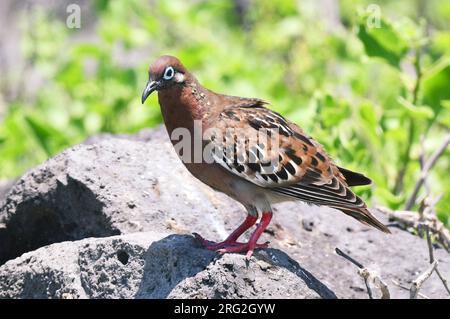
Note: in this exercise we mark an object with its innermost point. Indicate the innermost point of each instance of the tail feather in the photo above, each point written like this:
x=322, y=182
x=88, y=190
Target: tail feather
x=364, y=216
x=354, y=178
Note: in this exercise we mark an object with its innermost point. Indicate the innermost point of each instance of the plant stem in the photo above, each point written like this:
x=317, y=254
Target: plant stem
x=399, y=182
x=426, y=168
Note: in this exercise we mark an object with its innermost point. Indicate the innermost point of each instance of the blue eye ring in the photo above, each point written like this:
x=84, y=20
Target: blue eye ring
x=169, y=72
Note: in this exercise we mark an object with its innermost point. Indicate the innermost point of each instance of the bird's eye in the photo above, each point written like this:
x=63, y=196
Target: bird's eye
x=168, y=73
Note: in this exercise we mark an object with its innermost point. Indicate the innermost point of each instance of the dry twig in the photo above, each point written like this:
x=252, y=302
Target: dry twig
x=418, y=282
x=415, y=95
x=406, y=288
x=429, y=163
x=422, y=160
x=426, y=221
x=411, y=220
x=431, y=253
x=369, y=277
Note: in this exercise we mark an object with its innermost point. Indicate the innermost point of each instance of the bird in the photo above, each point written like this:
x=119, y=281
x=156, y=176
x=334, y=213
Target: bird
x=282, y=164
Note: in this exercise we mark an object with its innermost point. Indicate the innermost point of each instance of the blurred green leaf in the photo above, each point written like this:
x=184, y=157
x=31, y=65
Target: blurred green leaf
x=417, y=112
x=392, y=200
x=441, y=42
x=368, y=116
x=444, y=115
x=48, y=137
x=382, y=42
x=436, y=84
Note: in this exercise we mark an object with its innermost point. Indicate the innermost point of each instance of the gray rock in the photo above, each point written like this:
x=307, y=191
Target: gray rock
x=146, y=265
x=269, y=274
x=5, y=186
x=114, y=187
x=132, y=184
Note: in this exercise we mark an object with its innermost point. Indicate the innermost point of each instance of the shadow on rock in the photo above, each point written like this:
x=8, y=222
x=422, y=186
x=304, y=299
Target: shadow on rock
x=279, y=258
x=70, y=211
x=168, y=262
x=178, y=267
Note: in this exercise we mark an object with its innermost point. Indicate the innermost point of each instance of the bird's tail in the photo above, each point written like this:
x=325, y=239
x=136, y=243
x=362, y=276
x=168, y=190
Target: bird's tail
x=363, y=215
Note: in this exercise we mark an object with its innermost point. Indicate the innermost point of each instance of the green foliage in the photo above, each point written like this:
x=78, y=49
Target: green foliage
x=436, y=84
x=352, y=86
x=382, y=40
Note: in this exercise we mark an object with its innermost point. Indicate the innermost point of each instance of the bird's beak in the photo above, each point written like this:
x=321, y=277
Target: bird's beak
x=149, y=88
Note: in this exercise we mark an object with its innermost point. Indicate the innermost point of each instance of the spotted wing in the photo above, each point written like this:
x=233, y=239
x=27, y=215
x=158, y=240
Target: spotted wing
x=260, y=146
x=291, y=164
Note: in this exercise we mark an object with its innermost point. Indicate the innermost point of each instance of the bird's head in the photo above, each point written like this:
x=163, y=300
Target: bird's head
x=166, y=72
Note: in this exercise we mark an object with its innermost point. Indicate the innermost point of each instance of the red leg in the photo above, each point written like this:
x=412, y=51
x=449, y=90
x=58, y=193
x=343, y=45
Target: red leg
x=249, y=221
x=252, y=243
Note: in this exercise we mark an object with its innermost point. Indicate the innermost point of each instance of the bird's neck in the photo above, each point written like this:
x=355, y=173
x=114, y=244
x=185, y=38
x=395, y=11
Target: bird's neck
x=183, y=104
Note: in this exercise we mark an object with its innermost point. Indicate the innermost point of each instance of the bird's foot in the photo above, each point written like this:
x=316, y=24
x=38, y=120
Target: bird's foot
x=242, y=247
x=212, y=245
x=229, y=246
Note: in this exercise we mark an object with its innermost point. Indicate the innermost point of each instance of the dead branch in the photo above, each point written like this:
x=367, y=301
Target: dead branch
x=350, y=259
x=399, y=182
x=424, y=222
x=422, y=160
x=410, y=220
x=425, y=170
x=430, y=244
x=406, y=288
x=431, y=254
x=427, y=213
x=418, y=282
x=369, y=276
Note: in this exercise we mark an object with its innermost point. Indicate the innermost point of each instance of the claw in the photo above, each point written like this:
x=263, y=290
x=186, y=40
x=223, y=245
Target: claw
x=202, y=240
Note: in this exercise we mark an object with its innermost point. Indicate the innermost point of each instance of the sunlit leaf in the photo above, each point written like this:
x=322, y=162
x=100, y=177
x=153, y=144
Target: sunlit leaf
x=382, y=42
x=436, y=84
x=48, y=137
x=417, y=112
x=390, y=199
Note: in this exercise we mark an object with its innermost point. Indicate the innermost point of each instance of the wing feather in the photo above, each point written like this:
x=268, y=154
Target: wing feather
x=287, y=161
x=262, y=147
